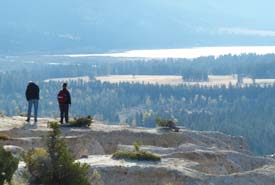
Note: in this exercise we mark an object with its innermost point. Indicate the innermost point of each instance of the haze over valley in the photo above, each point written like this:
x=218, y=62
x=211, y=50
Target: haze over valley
x=83, y=26
x=165, y=92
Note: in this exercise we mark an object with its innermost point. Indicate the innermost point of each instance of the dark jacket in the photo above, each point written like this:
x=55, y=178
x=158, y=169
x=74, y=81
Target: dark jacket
x=68, y=95
x=32, y=92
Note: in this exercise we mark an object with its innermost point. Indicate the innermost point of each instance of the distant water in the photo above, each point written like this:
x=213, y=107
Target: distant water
x=188, y=53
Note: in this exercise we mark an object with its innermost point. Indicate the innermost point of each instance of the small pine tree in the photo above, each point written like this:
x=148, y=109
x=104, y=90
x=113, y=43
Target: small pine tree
x=38, y=163
x=64, y=169
x=58, y=167
x=8, y=165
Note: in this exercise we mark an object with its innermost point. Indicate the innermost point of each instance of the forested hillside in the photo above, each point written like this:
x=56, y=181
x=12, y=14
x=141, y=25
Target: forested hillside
x=245, y=110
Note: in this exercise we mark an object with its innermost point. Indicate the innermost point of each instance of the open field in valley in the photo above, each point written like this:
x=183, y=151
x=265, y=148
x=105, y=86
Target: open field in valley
x=80, y=78
x=213, y=80
x=146, y=79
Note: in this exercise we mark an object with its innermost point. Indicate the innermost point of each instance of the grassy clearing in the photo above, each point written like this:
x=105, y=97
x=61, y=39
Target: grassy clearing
x=213, y=80
x=69, y=79
x=146, y=79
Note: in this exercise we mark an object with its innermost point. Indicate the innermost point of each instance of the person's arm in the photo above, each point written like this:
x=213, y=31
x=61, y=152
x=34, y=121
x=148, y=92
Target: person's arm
x=69, y=98
x=27, y=93
x=38, y=90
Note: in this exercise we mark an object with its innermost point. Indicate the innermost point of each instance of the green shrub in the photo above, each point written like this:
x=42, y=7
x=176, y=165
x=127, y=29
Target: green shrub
x=2, y=114
x=4, y=136
x=81, y=122
x=140, y=156
x=137, y=154
x=55, y=166
x=161, y=122
x=38, y=163
x=23, y=114
x=136, y=146
x=8, y=165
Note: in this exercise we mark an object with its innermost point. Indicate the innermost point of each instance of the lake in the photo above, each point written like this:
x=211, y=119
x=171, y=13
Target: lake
x=188, y=53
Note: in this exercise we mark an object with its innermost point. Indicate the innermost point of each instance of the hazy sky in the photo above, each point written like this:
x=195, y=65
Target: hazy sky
x=80, y=25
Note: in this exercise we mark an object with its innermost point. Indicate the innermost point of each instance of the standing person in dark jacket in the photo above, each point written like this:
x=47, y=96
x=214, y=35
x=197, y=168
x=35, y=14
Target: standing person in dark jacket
x=32, y=96
x=64, y=100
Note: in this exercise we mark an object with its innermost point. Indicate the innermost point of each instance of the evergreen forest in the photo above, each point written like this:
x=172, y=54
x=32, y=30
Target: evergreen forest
x=247, y=111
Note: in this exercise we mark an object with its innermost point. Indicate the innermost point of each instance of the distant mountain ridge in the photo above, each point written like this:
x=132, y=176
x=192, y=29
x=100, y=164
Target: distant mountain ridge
x=71, y=26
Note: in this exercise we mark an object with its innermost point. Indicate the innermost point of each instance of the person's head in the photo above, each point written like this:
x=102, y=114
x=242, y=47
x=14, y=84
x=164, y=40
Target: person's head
x=64, y=85
x=30, y=83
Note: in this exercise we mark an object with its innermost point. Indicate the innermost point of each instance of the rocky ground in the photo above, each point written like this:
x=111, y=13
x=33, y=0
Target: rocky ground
x=187, y=157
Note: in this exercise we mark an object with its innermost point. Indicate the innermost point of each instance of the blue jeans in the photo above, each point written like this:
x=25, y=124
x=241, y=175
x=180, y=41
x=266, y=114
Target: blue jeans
x=35, y=105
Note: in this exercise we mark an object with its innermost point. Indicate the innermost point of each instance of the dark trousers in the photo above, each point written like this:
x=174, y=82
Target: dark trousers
x=64, y=112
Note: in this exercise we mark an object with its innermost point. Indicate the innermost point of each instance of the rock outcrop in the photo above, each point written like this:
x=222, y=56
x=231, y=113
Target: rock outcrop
x=187, y=157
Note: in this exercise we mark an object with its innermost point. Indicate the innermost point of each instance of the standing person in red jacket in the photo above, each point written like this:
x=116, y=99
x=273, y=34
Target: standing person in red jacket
x=64, y=100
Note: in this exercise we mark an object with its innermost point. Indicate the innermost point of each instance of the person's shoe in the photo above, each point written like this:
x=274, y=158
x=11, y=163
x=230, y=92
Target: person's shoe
x=26, y=126
x=27, y=120
x=35, y=124
x=65, y=125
